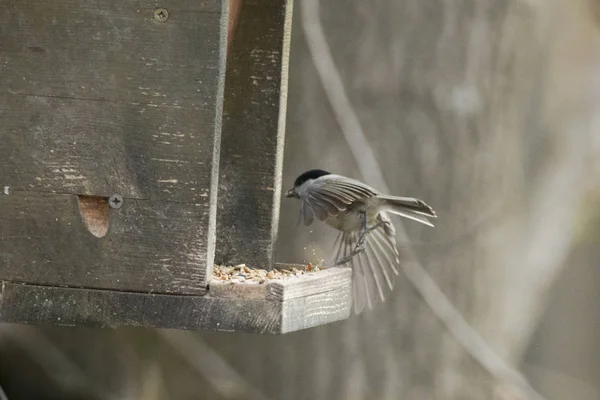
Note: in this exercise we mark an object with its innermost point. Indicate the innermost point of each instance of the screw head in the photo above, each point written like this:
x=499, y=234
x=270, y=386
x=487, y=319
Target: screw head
x=115, y=201
x=161, y=15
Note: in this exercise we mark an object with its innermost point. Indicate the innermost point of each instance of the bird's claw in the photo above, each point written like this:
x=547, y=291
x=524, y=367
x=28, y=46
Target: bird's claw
x=363, y=235
x=360, y=244
x=357, y=250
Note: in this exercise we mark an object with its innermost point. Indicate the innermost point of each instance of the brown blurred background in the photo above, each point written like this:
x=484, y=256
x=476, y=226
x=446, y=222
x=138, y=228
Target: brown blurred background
x=487, y=110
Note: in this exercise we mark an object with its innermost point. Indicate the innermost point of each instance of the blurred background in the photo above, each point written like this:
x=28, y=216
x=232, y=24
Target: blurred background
x=486, y=109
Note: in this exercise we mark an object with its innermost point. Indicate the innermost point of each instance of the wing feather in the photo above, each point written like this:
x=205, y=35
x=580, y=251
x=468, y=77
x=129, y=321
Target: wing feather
x=331, y=194
x=317, y=206
x=411, y=215
x=307, y=213
x=373, y=268
x=374, y=272
x=365, y=282
x=330, y=205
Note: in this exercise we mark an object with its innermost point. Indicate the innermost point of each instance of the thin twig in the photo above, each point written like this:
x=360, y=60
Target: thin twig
x=367, y=163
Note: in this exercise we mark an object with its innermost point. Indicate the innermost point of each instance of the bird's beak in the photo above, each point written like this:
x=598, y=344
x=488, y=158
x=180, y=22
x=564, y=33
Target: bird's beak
x=291, y=193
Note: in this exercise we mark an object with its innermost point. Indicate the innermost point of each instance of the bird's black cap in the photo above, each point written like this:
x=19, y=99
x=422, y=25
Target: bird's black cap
x=312, y=174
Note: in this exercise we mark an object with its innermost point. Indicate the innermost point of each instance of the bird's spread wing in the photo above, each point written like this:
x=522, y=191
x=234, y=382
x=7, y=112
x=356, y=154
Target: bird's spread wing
x=375, y=269
x=331, y=194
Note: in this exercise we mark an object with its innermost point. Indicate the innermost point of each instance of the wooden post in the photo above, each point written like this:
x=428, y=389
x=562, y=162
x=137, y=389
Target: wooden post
x=253, y=133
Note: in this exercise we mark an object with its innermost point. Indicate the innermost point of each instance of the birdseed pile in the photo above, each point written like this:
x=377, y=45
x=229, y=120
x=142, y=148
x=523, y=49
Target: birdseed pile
x=243, y=274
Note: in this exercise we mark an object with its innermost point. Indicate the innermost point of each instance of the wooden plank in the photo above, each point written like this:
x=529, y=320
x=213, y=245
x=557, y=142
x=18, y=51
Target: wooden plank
x=311, y=300
x=242, y=290
x=313, y=283
x=98, y=98
x=253, y=134
x=285, y=289
x=100, y=148
x=317, y=309
x=103, y=308
x=150, y=246
x=21, y=303
x=112, y=50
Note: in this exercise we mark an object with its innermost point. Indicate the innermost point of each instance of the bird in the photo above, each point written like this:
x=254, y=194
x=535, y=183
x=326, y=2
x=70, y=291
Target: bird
x=367, y=238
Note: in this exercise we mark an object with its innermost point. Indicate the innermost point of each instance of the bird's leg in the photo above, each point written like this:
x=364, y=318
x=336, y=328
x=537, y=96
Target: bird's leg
x=360, y=245
x=377, y=225
x=356, y=251
x=359, y=248
x=364, y=231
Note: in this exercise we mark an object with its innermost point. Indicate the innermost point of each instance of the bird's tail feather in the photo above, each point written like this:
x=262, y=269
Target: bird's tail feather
x=408, y=207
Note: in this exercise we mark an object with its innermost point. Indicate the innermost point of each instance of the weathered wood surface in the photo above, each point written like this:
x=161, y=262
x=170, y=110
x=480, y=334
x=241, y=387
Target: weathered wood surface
x=324, y=281
x=97, y=99
x=253, y=134
x=112, y=51
x=220, y=309
x=76, y=146
x=150, y=245
x=100, y=98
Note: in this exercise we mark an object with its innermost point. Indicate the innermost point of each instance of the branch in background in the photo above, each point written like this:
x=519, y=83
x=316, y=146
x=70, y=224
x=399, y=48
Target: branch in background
x=152, y=383
x=54, y=362
x=210, y=365
x=367, y=163
x=2, y=394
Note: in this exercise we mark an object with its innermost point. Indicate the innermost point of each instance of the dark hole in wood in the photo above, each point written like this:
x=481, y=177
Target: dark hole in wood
x=94, y=212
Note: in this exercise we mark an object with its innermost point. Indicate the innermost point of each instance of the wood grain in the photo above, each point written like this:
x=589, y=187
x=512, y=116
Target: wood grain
x=150, y=246
x=112, y=51
x=98, y=98
x=317, y=309
x=100, y=148
x=103, y=308
x=217, y=310
x=330, y=279
x=253, y=134
x=287, y=288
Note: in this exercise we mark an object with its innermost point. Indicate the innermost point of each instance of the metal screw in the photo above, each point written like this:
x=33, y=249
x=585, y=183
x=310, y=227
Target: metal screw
x=161, y=15
x=115, y=201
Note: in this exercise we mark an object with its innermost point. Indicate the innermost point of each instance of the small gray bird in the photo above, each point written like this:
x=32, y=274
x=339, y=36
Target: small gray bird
x=367, y=236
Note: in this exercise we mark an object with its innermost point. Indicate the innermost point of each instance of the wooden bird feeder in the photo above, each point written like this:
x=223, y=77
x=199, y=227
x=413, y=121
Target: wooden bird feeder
x=138, y=139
